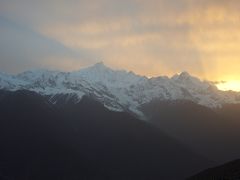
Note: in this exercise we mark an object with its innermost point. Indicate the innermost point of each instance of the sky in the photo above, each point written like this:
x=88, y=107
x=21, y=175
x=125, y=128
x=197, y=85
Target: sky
x=149, y=37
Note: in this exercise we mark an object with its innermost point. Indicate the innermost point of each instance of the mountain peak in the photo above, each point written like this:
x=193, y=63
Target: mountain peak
x=100, y=65
x=184, y=74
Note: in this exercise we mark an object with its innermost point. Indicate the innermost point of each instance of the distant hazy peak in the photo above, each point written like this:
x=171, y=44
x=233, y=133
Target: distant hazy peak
x=99, y=64
x=183, y=74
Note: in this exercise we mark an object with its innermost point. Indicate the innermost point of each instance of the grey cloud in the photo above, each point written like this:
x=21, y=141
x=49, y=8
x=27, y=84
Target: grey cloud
x=22, y=48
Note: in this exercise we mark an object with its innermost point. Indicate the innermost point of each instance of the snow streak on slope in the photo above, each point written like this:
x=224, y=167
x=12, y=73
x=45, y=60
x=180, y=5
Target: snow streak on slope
x=117, y=90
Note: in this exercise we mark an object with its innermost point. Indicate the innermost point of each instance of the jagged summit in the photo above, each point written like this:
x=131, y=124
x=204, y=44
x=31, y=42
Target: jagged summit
x=118, y=90
x=182, y=75
x=98, y=65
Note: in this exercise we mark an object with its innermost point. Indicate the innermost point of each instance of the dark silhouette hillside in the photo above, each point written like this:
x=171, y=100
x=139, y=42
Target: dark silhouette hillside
x=84, y=141
x=229, y=170
x=212, y=133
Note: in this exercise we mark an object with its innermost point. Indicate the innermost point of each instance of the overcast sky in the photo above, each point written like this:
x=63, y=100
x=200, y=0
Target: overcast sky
x=149, y=37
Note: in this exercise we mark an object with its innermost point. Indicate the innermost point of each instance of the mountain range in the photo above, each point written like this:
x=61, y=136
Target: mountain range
x=118, y=90
x=100, y=123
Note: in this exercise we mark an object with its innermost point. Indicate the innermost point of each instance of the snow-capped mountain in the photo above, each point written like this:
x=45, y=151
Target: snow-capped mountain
x=118, y=90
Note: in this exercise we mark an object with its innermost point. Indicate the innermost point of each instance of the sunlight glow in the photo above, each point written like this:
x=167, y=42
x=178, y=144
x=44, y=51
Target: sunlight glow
x=233, y=85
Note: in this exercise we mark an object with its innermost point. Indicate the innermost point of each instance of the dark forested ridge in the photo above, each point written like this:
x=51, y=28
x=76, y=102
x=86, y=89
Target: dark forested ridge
x=85, y=141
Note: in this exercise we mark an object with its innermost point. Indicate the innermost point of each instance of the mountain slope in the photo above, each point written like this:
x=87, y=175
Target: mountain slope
x=229, y=170
x=213, y=133
x=84, y=141
x=118, y=90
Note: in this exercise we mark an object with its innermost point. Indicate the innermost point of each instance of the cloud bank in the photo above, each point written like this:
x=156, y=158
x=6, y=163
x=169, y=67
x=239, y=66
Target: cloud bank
x=152, y=37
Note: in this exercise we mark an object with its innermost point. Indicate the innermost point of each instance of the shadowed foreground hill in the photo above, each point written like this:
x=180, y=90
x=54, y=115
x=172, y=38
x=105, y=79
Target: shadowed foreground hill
x=213, y=133
x=84, y=141
x=227, y=171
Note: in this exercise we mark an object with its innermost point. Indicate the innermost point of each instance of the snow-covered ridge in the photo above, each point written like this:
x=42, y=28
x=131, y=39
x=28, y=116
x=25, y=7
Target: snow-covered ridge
x=118, y=90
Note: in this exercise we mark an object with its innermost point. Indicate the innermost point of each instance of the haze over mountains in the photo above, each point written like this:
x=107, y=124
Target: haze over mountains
x=99, y=123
